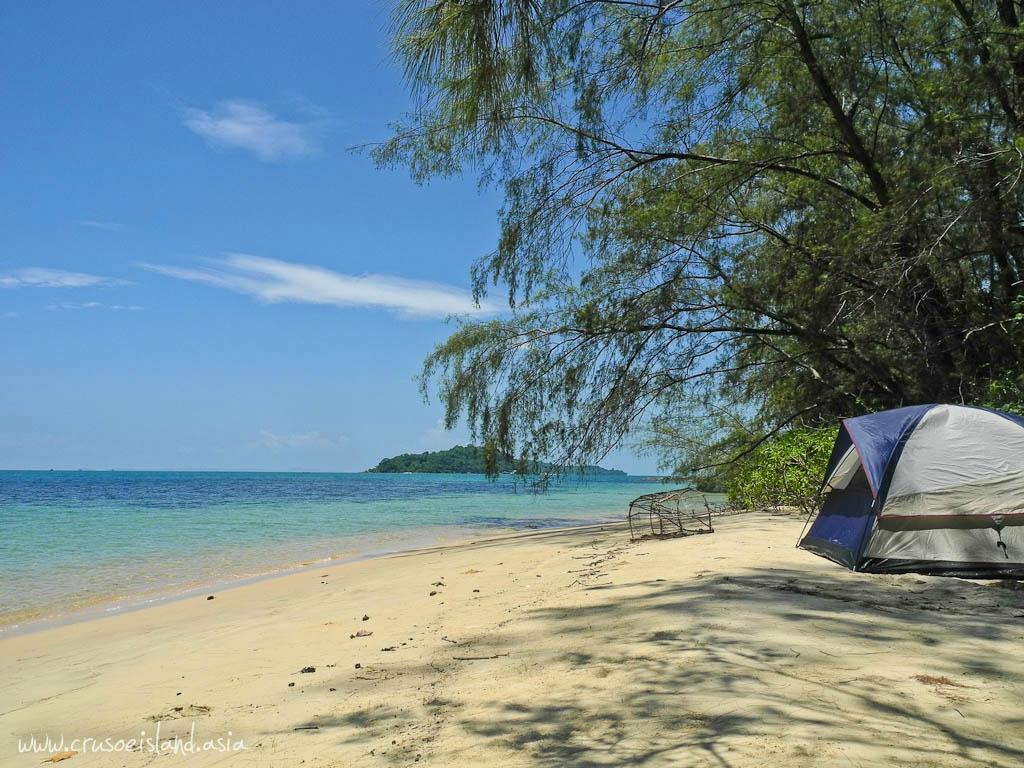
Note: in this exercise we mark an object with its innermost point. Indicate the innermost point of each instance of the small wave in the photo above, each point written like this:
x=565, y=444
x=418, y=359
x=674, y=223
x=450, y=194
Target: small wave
x=529, y=524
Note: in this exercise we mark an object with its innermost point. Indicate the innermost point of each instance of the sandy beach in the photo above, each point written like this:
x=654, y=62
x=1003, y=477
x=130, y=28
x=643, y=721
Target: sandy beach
x=569, y=647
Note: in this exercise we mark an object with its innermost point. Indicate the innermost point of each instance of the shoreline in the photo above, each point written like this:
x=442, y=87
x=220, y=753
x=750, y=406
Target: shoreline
x=82, y=542
x=109, y=605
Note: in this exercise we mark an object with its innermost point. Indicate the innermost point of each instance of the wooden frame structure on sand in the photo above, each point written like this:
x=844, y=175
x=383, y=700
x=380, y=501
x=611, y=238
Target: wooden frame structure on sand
x=668, y=514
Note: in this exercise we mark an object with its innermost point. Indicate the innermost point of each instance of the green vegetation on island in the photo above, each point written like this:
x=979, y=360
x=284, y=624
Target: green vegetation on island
x=472, y=459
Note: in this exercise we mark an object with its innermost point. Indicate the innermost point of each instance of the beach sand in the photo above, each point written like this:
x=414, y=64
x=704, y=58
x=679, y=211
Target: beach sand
x=730, y=649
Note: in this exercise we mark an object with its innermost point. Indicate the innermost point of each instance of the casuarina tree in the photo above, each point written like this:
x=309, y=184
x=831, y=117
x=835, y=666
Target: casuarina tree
x=722, y=219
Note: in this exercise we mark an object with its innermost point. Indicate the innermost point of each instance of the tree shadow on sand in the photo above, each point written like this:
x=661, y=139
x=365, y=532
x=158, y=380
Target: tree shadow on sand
x=707, y=689
x=754, y=666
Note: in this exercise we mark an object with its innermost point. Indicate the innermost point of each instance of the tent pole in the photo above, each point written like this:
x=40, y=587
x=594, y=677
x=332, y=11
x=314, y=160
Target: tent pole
x=804, y=529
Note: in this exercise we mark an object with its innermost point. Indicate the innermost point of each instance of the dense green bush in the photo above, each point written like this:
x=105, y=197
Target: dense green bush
x=1006, y=394
x=786, y=471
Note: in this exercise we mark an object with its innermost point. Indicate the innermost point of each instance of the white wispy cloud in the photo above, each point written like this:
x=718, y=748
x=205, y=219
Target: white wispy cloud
x=40, y=277
x=250, y=126
x=71, y=306
x=109, y=226
x=277, y=281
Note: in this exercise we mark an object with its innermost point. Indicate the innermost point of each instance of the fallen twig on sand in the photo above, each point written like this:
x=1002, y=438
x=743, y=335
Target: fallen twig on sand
x=61, y=756
x=478, y=658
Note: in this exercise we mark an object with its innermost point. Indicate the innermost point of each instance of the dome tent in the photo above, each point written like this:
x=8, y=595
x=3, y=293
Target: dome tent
x=932, y=489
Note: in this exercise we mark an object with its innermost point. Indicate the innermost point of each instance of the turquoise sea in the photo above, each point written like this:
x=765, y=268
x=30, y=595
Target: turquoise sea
x=72, y=541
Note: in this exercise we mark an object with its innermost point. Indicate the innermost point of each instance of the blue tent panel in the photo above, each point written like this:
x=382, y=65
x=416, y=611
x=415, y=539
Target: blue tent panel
x=878, y=435
x=840, y=528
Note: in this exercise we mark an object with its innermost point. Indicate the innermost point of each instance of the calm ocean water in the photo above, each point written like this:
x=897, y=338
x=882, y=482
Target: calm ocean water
x=71, y=540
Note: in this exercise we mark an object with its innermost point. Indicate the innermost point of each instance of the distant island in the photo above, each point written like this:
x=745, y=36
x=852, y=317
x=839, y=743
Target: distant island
x=470, y=459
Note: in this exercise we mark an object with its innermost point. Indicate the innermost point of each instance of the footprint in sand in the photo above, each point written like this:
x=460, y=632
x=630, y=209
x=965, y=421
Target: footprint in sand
x=176, y=713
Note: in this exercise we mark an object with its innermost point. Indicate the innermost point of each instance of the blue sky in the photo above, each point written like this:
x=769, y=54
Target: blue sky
x=196, y=270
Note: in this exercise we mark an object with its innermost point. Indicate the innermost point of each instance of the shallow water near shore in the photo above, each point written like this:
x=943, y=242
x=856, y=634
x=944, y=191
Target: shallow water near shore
x=74, y=540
